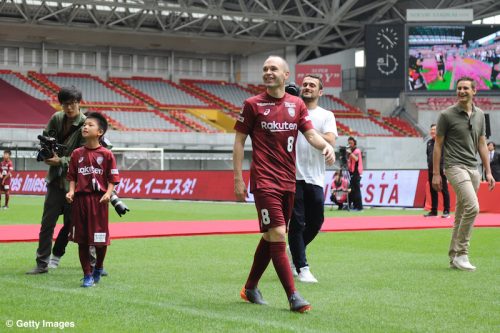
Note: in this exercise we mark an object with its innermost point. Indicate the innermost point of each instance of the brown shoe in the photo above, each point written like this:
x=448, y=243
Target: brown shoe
x=38, y=270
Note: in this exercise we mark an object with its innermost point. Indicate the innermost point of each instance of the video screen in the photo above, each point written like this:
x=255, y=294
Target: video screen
x=439, y=55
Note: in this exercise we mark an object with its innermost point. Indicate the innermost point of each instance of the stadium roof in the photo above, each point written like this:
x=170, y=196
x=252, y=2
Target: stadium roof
x=316, y=27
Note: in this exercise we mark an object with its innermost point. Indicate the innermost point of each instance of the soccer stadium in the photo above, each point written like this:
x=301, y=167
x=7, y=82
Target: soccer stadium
x=169, y=130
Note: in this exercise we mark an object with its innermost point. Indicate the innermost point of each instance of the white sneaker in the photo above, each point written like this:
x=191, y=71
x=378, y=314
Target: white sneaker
x=290, y=260
x=462, y=263
x=54, y=261
x=305, y=275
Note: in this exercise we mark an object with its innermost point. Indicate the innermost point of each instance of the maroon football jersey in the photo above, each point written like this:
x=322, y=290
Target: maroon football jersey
x=5, y=168
x=92, y=169
x=273, y=125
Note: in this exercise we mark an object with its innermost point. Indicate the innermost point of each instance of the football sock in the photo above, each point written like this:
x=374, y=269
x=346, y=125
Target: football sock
x=83, y=253
x=282, y=266
x=100, y=254
x=7, y=196
x=261, y=259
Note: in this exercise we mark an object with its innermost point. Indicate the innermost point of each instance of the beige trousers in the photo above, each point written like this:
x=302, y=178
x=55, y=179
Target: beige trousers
x=465, y=182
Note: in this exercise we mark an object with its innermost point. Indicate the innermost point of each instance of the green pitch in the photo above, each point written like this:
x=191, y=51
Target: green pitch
x=28, y=210
x=381, y=281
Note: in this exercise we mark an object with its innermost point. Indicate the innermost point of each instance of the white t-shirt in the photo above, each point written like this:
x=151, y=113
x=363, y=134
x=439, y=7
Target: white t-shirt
x=310, y=161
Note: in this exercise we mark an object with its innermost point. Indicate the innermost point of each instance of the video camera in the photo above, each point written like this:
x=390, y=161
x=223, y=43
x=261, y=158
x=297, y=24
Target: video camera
x=49, y=147
x=293, y=89
x=117, y=203
x=344, y=152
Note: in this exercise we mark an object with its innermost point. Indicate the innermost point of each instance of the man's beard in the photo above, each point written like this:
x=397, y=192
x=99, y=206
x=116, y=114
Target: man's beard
x=308, y=99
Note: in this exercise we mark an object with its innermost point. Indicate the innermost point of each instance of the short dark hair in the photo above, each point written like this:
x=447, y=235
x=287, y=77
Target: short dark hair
x=7, y=151
x=468, y=78
x=432, y=125
x=494, y=145
x=353, y=139
x=69, y=94
x=101, y=120
x=317, y=77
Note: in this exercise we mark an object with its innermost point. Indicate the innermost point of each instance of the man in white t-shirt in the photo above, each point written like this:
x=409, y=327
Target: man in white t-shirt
x=308, y=209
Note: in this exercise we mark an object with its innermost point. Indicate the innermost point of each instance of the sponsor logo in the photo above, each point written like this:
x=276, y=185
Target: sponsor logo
x=278, y=127
x=80, y=160
x=241, y=119
x=89, y=170
x=289, y=105
x=291, y=112
x=267, y=111
x=99, y=237
x=265, y=104
x=114, y=171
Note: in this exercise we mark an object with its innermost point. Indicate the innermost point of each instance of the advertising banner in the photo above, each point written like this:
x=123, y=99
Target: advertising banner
x=330, y=74
x=187, y=185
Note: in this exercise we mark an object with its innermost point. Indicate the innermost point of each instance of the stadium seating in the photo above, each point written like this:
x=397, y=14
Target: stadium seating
x=160, y=93
x=142, y=120
x=228, y=95
x=338, y=106
x=441, y=103
x=366, y=126
x=95, y=91
x=20, y=109
x=402, y=126
x=22, y=83
x=192, y=121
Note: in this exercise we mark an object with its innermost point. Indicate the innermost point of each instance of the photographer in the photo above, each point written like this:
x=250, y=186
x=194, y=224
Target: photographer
x=355, y=166
x=65, y=127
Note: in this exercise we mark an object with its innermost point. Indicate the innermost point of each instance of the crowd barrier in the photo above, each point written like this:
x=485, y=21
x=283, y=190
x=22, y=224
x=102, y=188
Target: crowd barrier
x=383, y=188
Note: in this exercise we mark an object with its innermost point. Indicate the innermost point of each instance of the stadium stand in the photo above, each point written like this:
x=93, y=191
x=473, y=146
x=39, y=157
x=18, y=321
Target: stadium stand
x=192, y=121
x=228, y=95
x=142, y=120
x=159, y=93
x=19, y=109
x=31, y=88
x=366, y=126
x=338, y=106
x=95, y=91
x=441, y=103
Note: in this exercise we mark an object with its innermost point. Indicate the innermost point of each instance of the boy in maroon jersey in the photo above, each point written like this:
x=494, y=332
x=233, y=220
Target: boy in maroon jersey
x=273, y=119
x=92, y=174
x=6, y=168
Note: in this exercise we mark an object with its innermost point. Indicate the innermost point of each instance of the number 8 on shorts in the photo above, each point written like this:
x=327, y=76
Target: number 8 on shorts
x=264, y=214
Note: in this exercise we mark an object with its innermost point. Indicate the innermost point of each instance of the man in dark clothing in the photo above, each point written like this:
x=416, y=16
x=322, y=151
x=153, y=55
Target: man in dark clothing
x=65, y=127
x=434, y=194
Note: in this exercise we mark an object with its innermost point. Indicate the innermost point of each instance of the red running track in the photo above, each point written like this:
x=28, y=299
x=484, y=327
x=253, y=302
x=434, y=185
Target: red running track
x=29, y=233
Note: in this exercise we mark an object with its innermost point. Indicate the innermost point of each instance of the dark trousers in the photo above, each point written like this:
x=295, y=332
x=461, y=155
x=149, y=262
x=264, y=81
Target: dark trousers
x=355, y=195
x=55, y=205
x=434, y=194
x=306, y=221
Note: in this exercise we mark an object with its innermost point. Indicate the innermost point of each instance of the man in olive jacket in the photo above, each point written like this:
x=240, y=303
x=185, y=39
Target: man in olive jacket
x=65, y=127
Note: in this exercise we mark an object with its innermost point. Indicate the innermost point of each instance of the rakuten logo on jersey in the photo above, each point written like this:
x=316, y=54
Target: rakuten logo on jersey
x=278, y=127
x=87, y=170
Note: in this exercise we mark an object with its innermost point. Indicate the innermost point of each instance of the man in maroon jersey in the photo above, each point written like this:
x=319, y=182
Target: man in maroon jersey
x=6, y=168
x=273, y=119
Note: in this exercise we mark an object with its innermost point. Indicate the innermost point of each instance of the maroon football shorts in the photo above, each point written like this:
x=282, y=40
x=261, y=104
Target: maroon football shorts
x=89, y=220
x=274, y=207
x=6, y=186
